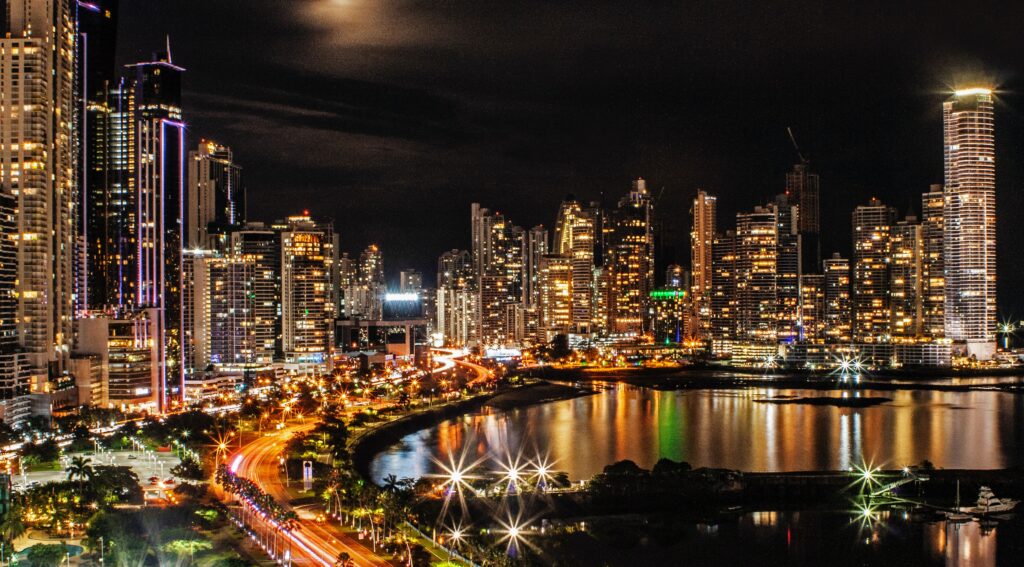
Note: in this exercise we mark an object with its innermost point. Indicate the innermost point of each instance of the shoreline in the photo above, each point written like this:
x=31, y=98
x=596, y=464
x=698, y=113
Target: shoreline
x=698, y=378
x=365, y=445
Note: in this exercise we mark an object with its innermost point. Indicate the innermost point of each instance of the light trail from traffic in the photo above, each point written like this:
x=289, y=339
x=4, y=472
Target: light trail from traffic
x=318, y=543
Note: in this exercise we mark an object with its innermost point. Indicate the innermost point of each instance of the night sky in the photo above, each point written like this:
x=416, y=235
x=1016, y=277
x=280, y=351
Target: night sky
x=392, y=117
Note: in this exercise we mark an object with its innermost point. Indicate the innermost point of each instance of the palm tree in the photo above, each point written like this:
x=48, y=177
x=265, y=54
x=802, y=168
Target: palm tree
x=80, y=468
x=391, y=483
x=13, y=524
x=344, y=559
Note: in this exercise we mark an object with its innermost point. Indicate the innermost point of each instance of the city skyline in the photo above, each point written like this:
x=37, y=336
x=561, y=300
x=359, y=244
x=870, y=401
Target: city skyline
x=528, y=284
x=865, y=133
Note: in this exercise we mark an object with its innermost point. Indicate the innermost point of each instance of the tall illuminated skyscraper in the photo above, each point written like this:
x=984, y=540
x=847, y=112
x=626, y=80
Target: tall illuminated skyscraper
x=905, y=279
x=933, y=280
x=105, y=160
x=872, y=246
x=723, y=293
x=757, y=299
x=969, y=238
x=160, y=176
x=802, y=185
x=574, y=239
x=630, y=261
x=38, y=168
x=308, y=294
x=534, y=248
x=216, y=197
x=701, y=242
x=838, y=304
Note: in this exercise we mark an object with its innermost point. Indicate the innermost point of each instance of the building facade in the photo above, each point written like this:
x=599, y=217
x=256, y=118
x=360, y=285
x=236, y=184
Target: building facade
x=969, y=221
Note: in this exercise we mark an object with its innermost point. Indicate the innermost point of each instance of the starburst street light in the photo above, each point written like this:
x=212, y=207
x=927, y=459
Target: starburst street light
x=1006, y=329
x=542, y=472
x=513, y=473
x=455, y=475
x=512, y=533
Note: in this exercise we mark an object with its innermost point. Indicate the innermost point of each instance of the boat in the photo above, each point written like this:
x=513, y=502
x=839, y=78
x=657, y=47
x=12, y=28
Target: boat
x=989, y=504
x=958, y=516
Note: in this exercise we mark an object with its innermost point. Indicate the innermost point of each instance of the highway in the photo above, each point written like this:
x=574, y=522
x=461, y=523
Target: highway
x=316, y=544
x=453, y=357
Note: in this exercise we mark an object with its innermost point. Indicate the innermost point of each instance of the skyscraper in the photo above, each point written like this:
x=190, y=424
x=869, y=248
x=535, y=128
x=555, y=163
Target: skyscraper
x=723, y=293
x=160, y=174
x=701, y=243
x=556, y=300
x=757, y=301
x=499, y=284
x=933, y=292
x=630, y=261
x=872, y=229
x=969, y=218
x=802, y=186
x=38, y=167
x=104, y=158
x=216, y=197
x=261, y=245
x=308, y=294
x=905, y=279
x=574, y=239
x=838, y=304
x=787, y=268
x=534, y=248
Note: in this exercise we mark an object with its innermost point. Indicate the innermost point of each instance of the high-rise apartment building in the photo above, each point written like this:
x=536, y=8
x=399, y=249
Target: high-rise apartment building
x=723, y=293
x=969, y=220
x=812, y=308
x=872, y=250
x=574, y=239
x=787, y=268
x=701, y=244
x=630, y=261
x=308, y=290
x=556, y=298
x=933, y=289
x=216, y=197
x=534, y=248
x=233, y=341
x=757, y=249
x=39, y=169
x=261, y=245
x=905, y=279
x=498, y=248
x=838, y=300
x=454, y=269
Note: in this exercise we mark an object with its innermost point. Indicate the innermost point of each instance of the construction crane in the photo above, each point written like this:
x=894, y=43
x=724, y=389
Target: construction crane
x=796, y=146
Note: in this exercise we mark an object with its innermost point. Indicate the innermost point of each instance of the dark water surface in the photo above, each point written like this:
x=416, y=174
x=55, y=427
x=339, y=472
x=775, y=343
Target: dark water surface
x=730, y=429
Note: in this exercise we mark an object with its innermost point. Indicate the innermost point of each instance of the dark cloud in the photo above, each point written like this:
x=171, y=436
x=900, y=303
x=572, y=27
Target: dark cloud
x=392, y=116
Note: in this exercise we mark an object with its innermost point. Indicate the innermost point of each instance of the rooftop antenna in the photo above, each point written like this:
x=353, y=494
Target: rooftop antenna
x=169, y=60
x=796, y=146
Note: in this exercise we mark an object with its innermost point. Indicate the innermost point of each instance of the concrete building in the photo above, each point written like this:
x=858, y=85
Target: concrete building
x=308, y=290
x=39, y=168
x=216, y=197
x=701, y=256
x=969, y=221
x=872, y=250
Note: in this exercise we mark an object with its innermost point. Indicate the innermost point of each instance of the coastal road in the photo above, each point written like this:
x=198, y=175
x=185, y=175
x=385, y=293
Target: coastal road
x=453, y=357
x=316, y=544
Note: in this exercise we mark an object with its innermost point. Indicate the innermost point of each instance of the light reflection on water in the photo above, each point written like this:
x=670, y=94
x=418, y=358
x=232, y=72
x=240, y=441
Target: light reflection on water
x=730, y=429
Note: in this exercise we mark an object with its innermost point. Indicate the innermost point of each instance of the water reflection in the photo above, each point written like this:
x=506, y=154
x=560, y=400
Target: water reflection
x=731, y=429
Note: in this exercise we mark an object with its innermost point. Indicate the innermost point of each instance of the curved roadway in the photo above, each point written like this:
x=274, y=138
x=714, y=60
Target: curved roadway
x=316, y=544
